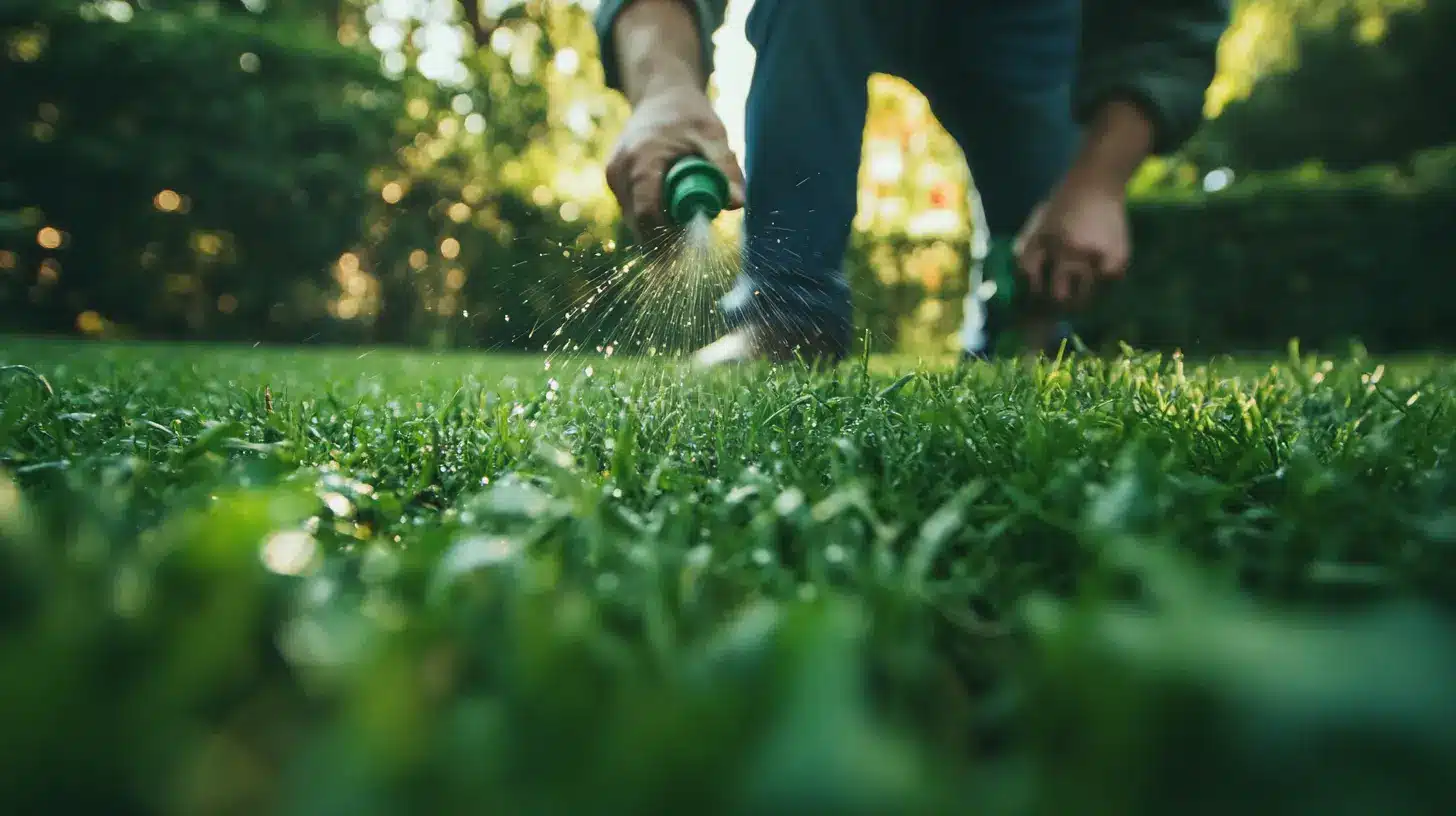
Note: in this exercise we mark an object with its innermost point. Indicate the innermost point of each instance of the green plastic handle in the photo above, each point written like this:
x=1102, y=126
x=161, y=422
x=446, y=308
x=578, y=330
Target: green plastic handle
x=693, y=186
x=1000, y=266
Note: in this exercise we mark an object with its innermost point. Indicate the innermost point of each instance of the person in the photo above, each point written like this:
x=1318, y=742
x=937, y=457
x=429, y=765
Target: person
x=1055, y=104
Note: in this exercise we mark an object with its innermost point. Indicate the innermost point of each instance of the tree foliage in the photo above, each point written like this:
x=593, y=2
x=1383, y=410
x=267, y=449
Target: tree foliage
x=177, y=169
x=1363, y=88
x=273, y=183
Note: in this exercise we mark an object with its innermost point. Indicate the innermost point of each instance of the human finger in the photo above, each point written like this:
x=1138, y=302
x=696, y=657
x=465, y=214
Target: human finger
x=619, y=182
x=646, y=195
x=1032, y=260
x=720, y=154
x=1070, y=273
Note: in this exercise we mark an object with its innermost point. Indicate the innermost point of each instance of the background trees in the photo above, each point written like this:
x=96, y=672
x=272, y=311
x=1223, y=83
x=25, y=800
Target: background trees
x=417, y=171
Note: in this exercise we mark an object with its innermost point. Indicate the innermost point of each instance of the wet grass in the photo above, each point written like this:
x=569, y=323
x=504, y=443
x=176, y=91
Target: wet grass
x=243, y=580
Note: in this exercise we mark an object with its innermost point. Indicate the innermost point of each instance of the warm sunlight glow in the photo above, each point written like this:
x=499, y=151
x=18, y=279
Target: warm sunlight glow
x=168, y=201
x=49, y=238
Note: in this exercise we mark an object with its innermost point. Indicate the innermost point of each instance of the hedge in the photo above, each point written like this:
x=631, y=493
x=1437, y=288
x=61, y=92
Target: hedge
x=1365, y=258
x=1325, y=259
x=183, y=157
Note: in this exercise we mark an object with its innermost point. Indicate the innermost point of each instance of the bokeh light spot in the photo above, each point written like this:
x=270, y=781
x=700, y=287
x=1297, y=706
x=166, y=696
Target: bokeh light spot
x=89, y=322
x=291, y=552
x=49, y=238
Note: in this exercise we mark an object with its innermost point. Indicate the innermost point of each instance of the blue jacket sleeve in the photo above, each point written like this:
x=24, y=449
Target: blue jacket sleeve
x=709, y=14
x=1158, y=54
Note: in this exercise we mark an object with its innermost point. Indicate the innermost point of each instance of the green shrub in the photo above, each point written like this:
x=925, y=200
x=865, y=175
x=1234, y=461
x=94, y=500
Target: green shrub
x=1325, y=258
x=261, y=135
x=1364, y=257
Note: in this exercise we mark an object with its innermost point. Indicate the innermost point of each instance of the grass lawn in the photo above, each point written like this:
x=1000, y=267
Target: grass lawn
x=341, y=581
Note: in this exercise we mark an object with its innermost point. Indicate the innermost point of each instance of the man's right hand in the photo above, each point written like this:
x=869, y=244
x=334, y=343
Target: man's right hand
x=665, y=126
x=658, y=48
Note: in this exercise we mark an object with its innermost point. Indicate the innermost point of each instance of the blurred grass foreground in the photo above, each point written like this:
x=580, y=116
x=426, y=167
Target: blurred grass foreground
x=429, y=172
x=280, y=581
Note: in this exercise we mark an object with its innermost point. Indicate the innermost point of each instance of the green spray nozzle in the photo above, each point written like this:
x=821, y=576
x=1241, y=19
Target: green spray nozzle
x=1007, y=300
x=693, y=186
x=999, y=266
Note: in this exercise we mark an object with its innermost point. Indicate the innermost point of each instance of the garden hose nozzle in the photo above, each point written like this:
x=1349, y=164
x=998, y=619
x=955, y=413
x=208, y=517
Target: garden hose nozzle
x=1003, y=305
x=694, y=186
x=1014, y=319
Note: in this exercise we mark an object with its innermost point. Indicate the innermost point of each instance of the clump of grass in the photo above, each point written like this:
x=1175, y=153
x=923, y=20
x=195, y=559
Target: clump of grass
x=237, y=581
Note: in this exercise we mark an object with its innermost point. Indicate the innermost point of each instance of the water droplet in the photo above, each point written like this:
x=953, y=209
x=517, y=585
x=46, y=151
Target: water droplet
x=338, y=505
x=699, y=556
x=291, y=552
x=789, y=501
x=478, y=551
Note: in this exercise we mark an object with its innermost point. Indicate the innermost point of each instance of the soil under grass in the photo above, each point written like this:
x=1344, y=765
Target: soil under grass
x=242, y=580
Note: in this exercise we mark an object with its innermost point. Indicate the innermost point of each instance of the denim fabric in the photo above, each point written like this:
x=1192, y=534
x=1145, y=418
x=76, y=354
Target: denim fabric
x=999, y=76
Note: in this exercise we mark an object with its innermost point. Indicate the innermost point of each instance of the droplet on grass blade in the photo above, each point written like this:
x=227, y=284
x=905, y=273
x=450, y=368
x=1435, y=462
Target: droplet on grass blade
x=474, y=552
x=699, y=556
x=789, y=501
x=291, y=552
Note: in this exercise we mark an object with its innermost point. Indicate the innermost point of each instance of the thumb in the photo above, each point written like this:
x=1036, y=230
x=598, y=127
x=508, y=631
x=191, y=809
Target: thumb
x=718, y=152
x=1029, y=229
x=1030, y=250
x=1032, y=260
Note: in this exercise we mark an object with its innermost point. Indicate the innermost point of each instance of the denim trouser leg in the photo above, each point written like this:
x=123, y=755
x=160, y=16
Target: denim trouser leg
x=1007, y=100
x=998, y=75
x=804, y=128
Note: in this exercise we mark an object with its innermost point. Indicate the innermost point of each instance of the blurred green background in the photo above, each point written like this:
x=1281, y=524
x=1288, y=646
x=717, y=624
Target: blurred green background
x=419, y=171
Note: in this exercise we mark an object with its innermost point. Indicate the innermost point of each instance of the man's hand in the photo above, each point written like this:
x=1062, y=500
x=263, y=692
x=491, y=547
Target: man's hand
x=665, y=126
x=1080, y=234
x=658, y=48
x=1076, y=238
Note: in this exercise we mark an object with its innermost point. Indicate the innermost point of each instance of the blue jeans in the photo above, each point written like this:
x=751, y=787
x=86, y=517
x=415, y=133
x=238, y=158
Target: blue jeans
x=998, y=75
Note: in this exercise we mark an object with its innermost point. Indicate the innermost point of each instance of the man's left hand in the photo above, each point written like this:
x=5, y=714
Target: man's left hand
x=1079, y=235
x=1073, y=240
